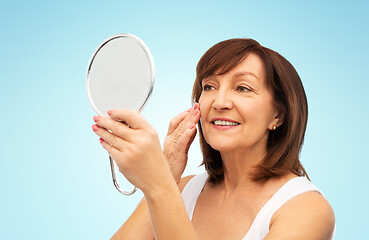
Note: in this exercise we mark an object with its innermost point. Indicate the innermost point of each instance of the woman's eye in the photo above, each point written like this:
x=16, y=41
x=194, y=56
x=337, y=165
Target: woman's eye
x=242, y=89
x=207, y=87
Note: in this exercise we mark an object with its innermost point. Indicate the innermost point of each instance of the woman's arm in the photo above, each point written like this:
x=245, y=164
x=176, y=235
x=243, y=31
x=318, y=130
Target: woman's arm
x=136, y=149
x=307, y=216
x=176, y=145
x=138, y=225
x=168, y=214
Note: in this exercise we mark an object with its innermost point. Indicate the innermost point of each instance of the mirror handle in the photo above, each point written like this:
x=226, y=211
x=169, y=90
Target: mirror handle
x=124, y=192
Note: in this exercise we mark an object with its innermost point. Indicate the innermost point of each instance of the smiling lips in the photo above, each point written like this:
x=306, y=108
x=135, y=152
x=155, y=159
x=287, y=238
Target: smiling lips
x=224, y=123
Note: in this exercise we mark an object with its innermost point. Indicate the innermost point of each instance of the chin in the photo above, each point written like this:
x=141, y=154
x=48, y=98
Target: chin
x=223, y=145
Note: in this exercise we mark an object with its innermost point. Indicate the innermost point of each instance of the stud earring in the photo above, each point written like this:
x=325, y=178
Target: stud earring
x=274, y=127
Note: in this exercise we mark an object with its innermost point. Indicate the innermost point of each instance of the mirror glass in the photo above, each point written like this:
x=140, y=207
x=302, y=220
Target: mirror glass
x=120, y=74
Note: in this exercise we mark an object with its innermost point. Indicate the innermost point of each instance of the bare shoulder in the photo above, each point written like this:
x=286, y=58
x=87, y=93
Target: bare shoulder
x=306, y=216
x=182, y=183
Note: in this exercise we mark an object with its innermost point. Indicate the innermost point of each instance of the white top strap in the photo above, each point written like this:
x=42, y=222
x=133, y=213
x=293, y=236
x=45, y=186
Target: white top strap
x=192, y=191
x=296, y=186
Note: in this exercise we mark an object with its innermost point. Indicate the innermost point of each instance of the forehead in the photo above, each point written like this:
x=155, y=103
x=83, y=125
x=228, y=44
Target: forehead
x=251, y=67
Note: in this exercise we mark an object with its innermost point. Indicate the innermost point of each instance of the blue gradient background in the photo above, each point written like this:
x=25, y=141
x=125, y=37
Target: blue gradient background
x=55, y=178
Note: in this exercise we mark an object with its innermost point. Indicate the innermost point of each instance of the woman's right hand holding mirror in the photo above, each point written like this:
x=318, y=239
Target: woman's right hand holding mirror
x=181, y=133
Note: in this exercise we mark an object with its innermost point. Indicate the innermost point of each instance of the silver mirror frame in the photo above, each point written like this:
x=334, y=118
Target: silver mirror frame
x=151, y=87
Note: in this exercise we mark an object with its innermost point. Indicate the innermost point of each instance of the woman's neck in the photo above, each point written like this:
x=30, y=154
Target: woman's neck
x=239, y=167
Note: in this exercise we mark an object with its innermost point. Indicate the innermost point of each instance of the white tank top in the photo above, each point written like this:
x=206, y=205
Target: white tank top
x=260, y=226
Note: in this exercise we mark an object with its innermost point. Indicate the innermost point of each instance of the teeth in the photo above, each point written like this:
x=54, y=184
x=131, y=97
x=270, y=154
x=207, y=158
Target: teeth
x=225, y=123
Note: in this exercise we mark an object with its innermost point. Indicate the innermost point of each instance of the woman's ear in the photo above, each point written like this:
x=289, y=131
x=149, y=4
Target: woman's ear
x=278, y=119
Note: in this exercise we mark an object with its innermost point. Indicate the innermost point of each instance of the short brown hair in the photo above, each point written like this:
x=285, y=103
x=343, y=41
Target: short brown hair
x=284, y=143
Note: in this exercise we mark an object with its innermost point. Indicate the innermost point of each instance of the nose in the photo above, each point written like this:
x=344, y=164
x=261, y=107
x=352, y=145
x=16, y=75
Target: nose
x=222, y=101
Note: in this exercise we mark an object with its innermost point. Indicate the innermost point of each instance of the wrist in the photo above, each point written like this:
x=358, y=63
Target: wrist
x=160, y=192
x=164, y=181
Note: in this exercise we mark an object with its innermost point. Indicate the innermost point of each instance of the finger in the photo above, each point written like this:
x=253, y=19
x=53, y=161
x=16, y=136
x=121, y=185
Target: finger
x=191, y=140
x=110, y=149
x=118, y=128
x=109, y=137
x=173, y=124
x=132, y=117
x=192, y=117
x=186, y=139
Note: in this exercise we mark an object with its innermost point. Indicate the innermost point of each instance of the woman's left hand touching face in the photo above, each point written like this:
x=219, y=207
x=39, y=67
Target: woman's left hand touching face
x=135, y=148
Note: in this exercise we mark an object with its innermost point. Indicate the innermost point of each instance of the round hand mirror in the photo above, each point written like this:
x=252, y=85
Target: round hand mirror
x=120, y=75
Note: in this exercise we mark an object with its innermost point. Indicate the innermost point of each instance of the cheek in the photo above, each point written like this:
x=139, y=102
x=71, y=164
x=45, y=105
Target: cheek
x=201, y=98
x=261, y=113
x=204, y=105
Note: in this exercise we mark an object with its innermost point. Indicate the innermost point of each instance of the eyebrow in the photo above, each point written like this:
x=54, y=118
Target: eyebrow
x=240, y=74
x=236, y=75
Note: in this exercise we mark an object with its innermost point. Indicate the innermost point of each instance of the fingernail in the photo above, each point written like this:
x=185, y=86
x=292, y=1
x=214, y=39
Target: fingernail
x=189, y=110
x=195, y=106
x=95, y=127
x=110, y=112
x=97, y=118
x=196, y=112
x=192, y=126
x=101, y=140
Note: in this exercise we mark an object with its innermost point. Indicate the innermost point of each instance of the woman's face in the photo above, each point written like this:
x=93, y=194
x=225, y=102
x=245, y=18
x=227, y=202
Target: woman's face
x=237, y=109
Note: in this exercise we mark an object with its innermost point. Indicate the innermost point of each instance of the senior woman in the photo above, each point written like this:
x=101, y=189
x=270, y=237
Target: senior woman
x=251, y=111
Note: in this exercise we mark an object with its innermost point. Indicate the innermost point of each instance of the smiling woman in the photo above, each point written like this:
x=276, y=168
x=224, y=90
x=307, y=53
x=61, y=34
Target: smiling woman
x=252, y=113
x=268, y=76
